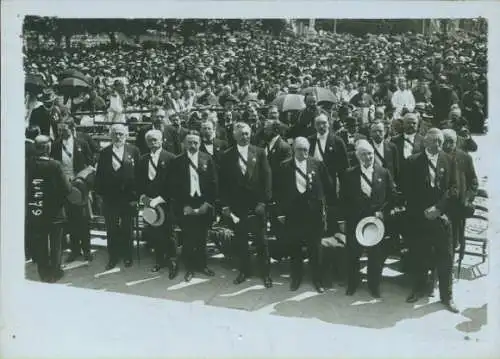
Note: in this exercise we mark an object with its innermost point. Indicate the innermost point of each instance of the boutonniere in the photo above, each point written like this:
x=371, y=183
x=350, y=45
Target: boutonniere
x=441, y=170
x=330, y=148
x=162, y=163
x=79, y=149
x=379, y=180
x=254, y=160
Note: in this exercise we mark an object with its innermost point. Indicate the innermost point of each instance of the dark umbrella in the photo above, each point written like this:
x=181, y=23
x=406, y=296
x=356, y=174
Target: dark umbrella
x=289, y=102
x=34, y=83
x=322, y=94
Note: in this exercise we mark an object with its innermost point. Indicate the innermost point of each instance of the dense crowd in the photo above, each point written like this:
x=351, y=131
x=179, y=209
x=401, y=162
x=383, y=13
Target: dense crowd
x=255, y=132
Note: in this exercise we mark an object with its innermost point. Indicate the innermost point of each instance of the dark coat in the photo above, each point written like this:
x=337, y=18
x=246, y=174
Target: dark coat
x=173, y=138
x=161, y=184
x=277, y=154
x=467, y=183
x=117, y=185
x=181, y=184
x=243, y=192
x=419, y=193
x=220, y=147
x=391, y=160
x=335, y=160
x=82, y=155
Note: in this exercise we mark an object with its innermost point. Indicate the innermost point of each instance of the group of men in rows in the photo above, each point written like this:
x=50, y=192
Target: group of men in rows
x=304, y=188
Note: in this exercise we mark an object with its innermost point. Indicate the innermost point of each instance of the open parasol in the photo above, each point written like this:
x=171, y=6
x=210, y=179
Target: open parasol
x=322, y=94
x=289, y=102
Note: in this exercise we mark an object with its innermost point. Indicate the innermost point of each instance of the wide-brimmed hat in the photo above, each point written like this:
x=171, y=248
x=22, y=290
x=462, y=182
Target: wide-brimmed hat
x=370, y=231
x=154, y=216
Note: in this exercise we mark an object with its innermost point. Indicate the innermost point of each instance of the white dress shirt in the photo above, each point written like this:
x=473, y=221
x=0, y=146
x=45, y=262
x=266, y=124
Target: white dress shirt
x=67, y=157
x=193, y=175
x=432, y=174
x=407, y=148
x=300, y=181
x=271, y=144
x=365, y=187
x=321, y=141
x=155, y=157
x=118, y=151
x=243, y=150
x=210, y=148
x=401, y=99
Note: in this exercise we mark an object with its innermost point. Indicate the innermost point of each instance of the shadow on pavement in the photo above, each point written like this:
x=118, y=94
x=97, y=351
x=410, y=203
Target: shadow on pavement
x=477, y=318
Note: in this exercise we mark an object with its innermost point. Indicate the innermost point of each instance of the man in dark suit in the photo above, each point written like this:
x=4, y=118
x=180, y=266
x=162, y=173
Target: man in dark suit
x=195, y=192
x=174, y=134
x=301, y=193
x=431, y=189
x=74, y=156
x=115, y=182
x=46, y=191
x=385, y=152
x=304, y=125
x=158, y=123
x=467, y=186
x=46, y=114
x=368, y=190
x=154, y=188
x=350, y=135
x=331, y=150
x=209, y=143
x=246, y=189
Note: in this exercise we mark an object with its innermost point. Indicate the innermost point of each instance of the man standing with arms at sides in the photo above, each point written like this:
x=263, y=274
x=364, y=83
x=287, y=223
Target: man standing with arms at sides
x=303, y=183
x=246, y=189
x=431, y=191
x=115, y=182
x=331, y=150
x=46, y=190
x=385, y=152
x=74, y=155
x=368, y=191
x=467, y=186
x=194, y=192
x=154, y=188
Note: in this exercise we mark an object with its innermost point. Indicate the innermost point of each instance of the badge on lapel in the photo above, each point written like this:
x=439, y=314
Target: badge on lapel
x=79, y=149
x=254, y=160
x=379, y=180
x=203, y=167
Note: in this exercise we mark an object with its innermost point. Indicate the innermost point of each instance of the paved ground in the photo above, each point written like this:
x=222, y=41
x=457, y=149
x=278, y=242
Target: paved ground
x=221, y=319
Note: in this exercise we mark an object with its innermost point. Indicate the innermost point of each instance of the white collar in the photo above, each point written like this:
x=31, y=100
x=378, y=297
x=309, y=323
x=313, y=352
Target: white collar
x=156, y=153
x=430, y=156
x=323, y=137
x=302, y=164
x=242, y=148
x=410, y=137
x=193, y=157
x=366, y=170
x=118, y=149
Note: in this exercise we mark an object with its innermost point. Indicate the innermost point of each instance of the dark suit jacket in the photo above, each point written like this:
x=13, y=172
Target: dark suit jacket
x=220, y=147
x=82, y=156
x=93, y=145
x=279, y=153
x=161, y=184
x=181, y=184
x=40, y=117
x=350, y=147
x=335, y=160
x=356, y=204
x=391, y=160
x=467, y=184
x=29, y=149
x=117, y=185
x=173, y=138
x=418, y=145
x=319, y=185
x=242, y=192
x=419, y=193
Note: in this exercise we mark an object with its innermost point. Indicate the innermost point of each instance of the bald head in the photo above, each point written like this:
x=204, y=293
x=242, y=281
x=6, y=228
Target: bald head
x=301, y=148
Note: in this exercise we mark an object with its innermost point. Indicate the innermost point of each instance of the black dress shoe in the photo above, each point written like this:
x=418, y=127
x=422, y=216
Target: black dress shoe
x=240, y=278
x=295, y=284
x=413, y=297
x=156, y=268
x=128, y=263
x=319, y=287
x=208, y=272
x=59, y=273
x=188, y=276
x=87, y=256
x=350, y=291
x=375, y=293
x=268, y=282
x=450, y=306
x=72, y=257
x=174, y=270
x=110, y=265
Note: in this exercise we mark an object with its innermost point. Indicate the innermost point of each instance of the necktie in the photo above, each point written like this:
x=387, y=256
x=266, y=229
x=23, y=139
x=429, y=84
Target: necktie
x=432, y=173
x=366, y=185
x=300, y=180
x=243, y=164
x=152, y=169
x=116, y=162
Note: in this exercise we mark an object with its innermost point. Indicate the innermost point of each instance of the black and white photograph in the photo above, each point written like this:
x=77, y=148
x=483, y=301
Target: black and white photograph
x=319, y=175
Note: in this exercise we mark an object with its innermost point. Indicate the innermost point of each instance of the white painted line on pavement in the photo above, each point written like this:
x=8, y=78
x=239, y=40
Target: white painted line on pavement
x=142, y=280
x=362, y=302
x=244, y=290
x=74, y=265
x=302, y=296
x=193, y=281
x=114, y=270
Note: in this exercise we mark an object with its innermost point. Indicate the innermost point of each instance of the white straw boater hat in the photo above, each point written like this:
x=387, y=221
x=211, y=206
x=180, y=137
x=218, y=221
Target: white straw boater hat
x=370, y=231
x=154, y=216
